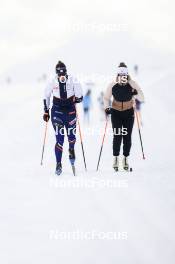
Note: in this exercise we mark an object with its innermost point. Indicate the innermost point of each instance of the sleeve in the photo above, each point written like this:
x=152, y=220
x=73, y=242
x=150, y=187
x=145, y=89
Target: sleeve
x=140, y=95
x=77, y=89
x=47, y=95
x=108, y=95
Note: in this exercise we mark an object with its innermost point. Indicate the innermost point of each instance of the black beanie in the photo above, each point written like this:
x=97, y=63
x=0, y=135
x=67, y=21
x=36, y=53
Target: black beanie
x=122, y=64
x=60, y=68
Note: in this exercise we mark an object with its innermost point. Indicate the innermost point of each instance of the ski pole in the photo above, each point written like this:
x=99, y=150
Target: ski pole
x=101, y=149
x=81, y=139
x=139, y=133
x=44, y=142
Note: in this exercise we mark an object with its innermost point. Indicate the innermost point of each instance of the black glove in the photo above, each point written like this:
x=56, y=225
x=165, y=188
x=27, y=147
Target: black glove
x=78, y=100
x=108, y=111
x=134, y=92
x=46, y=116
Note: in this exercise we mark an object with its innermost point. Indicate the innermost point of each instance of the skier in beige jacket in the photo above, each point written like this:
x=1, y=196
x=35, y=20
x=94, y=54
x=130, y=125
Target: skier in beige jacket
x=123, y=92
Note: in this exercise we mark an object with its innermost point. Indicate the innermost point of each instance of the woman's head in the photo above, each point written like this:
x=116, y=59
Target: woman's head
x=88, y=92
x=61, y=69
x=122, y=73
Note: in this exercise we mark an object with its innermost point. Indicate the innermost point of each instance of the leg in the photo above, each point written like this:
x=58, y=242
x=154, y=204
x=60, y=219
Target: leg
x=58, y=125
x=117, y=137
x=85, y=114
x=128, y=122
x=71, y=134
x=59, y=144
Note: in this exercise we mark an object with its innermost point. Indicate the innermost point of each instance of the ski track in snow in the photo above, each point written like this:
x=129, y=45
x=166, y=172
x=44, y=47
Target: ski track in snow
x=33, y=203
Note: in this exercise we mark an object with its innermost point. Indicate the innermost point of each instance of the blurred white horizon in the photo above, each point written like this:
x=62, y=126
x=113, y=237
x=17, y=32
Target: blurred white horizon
x=90, y=36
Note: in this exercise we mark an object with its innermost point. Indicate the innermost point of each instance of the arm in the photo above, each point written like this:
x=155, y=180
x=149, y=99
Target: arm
x=139, y=95
x=78, y=91
x=108, y=95
x=47, y=95
x=46, y=101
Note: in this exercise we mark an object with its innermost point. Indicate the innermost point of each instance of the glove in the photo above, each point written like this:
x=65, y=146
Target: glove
x=108, y=111
x=78, y=100
x=46, y=116
x=134, y=92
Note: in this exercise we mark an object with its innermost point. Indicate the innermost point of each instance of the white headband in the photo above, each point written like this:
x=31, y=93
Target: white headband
x=122, y=71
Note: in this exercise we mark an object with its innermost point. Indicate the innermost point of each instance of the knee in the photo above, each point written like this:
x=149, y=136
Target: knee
x=72, y=141
x=59, y=138
x=71, y=132
x=58, y=146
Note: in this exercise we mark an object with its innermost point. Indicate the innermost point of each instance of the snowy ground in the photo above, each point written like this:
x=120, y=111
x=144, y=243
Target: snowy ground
x=36, y=205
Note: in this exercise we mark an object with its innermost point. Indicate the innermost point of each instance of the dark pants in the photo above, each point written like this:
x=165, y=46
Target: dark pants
x=61, y=120
x=122, y=119
x=86, y=113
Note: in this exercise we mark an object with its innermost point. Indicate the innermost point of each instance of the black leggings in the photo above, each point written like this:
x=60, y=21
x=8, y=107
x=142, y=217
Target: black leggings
x=122, y=119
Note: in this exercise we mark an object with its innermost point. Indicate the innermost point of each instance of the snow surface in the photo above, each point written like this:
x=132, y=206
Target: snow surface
x=36, y=204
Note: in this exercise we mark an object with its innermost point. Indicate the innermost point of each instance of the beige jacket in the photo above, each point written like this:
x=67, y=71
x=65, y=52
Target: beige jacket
x=108, y=93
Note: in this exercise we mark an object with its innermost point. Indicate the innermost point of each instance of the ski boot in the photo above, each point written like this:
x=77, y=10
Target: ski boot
x=72, y=159
x=125, y=164
x=116, y=163
x=58, y=170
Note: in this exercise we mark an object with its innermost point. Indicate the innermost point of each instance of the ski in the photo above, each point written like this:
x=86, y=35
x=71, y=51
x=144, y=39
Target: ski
x=123, y=170
x=116, y=169
x=128, y=169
